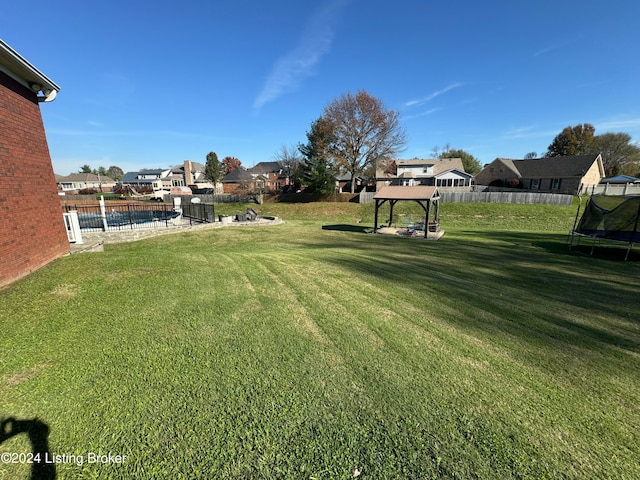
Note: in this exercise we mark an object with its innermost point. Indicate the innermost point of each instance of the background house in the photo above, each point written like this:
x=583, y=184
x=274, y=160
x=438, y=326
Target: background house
x=192, y=175
x=188, y=174
x=570, y=175
x=343, y=183
x=32, y=230
x=273, y=176
x=239, y=181
x=80, y=181
x=148, y=179
x=437, y=172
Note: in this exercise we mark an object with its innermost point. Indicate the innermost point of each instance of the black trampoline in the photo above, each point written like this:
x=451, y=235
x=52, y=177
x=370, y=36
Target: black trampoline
x=608, y=218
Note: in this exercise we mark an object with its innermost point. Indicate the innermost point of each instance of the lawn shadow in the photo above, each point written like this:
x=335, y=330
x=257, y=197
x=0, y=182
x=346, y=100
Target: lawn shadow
x=38, y=433
x=603, y=250
x=348, y=228
x=521, y=280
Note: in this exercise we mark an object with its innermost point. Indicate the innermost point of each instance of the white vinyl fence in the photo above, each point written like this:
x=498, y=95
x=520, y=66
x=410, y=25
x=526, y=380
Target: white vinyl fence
x=616, y=189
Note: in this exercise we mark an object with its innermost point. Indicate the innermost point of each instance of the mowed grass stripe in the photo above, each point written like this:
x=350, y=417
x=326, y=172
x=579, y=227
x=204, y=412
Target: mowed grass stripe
x=307, y=352
x=394, y=378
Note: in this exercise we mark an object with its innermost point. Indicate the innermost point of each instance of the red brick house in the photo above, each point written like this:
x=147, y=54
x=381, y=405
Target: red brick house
x=239, y=181
x=32, y=229
x=271, y=176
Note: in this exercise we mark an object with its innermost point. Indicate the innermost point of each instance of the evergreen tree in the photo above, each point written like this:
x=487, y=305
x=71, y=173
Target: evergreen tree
x=317, y=172
x=213, y=169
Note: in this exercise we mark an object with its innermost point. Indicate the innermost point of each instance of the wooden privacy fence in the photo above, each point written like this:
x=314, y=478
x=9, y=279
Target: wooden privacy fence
x=225, y=198
x=508, y=197
x=207, y=198
x=494, y=197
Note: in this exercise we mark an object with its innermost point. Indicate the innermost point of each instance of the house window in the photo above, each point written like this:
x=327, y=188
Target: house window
x=555, y=183
x=535, y=184
x=425, y=170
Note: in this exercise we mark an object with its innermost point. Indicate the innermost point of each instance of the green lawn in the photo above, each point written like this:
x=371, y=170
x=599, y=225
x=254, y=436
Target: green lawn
x=315, y=350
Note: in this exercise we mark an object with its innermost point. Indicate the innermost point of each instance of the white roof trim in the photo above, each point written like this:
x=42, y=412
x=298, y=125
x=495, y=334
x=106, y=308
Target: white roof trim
x=18, y=68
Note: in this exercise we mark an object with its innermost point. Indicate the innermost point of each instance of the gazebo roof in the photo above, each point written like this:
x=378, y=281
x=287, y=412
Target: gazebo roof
x=396, y=192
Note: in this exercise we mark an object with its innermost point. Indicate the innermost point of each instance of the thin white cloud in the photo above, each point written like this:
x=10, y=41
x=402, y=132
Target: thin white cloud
x=124, y=133
x=291, y=69
x=428, y=98
x=557, y=46
x=528, y=132
x=618, y=125
x=421, y=114
x=545, y=50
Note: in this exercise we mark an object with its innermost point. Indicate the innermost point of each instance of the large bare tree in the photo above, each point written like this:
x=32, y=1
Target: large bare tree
x=290, y=159
x=364, y=132
x=288, y=156
x=620, y=155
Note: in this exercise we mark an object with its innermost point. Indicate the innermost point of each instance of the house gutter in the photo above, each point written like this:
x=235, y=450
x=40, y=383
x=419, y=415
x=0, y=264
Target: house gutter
x=18, y=68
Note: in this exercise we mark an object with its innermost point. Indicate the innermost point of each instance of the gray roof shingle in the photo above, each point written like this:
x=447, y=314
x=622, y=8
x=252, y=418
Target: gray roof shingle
x=553, y=167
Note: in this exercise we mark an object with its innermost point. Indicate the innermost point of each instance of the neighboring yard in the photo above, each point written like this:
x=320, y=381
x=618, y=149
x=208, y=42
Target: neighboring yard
x=314, y=350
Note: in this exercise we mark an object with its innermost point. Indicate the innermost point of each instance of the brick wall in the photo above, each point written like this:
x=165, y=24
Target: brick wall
x=32, y=230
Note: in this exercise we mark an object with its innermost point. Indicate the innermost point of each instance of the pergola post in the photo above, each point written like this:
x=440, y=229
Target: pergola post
x=391, y=204
x=426, y=219
x=379, y=203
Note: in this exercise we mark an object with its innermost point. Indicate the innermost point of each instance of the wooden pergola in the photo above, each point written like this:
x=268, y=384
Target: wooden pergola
x=426, y=197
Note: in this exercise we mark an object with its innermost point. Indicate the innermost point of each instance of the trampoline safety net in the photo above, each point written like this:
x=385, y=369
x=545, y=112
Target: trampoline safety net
x=612, y=218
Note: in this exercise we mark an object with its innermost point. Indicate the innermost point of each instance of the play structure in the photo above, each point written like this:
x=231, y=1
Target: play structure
x=608, y=219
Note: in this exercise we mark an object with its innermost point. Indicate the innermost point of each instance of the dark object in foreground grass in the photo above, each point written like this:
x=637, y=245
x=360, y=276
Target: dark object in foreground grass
x=38, y=431
x=348, y=228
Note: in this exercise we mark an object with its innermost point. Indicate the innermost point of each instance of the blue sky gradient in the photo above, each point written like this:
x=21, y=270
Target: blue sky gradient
x=149, y=85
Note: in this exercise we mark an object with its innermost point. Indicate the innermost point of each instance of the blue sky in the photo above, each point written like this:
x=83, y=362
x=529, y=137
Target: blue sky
x=151, y=84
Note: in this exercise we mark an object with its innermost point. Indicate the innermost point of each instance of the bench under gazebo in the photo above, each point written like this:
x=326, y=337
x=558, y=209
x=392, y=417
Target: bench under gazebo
x=426, y=196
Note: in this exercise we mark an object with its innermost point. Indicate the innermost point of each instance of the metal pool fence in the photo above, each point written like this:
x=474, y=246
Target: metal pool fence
x=124, y=217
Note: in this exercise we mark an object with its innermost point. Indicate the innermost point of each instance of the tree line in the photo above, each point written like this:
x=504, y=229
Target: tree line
x=356, y=134
x=113, y=171
x=215, y=170
x=620, y=155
